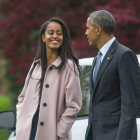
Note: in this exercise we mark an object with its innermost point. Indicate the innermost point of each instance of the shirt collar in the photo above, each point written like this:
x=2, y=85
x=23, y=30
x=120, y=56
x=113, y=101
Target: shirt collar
x=106, y=47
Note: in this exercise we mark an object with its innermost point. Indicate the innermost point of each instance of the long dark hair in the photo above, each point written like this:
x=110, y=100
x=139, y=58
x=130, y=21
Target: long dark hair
x=65, y=51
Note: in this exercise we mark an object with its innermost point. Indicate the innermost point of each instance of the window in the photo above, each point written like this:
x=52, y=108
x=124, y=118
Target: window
x=85, y=79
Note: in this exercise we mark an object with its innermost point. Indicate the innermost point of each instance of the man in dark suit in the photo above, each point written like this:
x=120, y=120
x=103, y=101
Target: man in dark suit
x=114, y=83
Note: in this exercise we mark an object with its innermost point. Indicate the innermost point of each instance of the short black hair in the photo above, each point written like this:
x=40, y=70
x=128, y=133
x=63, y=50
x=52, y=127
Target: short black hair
x=104, y=19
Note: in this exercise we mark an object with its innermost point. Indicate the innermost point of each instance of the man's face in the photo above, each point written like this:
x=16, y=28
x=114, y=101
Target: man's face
x=91, y=33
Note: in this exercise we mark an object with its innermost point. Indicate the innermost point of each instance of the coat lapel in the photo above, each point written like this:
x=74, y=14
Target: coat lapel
x=107, y=59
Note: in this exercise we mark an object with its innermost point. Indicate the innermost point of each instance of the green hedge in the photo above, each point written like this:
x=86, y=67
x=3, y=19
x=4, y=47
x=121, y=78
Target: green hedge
x=5, y=102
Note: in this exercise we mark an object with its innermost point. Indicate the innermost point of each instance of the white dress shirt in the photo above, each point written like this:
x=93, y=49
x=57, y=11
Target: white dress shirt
x=106, y=47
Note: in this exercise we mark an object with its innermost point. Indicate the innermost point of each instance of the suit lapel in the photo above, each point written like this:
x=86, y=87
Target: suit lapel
x=107, y=59
x=104, y=64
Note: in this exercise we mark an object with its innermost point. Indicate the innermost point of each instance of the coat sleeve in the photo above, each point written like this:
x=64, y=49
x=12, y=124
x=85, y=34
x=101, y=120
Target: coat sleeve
x=21, y=96
x=73, y=100
x=129, y=74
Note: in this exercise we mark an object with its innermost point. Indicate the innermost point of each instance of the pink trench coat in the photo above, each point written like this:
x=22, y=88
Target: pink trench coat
x=62, y=94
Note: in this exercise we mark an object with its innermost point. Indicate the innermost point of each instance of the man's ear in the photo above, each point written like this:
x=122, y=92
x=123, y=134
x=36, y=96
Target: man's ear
x=43, y=38
x=98, y=30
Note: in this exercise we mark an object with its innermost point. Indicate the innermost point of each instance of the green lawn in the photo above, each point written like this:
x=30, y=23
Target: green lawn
x=4, y=134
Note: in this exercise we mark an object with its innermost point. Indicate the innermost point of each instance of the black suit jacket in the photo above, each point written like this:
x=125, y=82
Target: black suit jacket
x=114, y=99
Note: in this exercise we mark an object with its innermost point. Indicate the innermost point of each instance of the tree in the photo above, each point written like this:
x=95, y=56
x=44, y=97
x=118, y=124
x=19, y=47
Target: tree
x=20, y=22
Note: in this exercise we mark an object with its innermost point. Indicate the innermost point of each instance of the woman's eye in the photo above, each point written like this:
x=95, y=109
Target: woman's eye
x=59, y=33
x=50, y=33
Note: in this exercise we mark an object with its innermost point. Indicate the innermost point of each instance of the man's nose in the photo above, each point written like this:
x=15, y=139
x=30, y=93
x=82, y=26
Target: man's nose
x=86, y=32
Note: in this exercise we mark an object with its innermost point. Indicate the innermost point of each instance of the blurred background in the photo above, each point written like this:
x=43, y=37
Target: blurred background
x=20, y=21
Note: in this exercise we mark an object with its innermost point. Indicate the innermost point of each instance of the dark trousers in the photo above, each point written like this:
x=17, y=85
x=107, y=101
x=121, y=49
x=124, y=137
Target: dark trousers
x=34, y=125
x=90, y=137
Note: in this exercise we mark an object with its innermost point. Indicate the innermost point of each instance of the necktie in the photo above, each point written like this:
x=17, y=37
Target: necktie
x=97, y=66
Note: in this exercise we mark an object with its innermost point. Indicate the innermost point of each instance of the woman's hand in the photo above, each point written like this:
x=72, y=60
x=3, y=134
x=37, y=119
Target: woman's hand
x=59, y=138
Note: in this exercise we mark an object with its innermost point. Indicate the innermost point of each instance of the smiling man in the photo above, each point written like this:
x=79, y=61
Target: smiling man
x=114, y=83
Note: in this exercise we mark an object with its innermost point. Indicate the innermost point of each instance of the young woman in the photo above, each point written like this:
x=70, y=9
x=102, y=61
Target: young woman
x=51, y=97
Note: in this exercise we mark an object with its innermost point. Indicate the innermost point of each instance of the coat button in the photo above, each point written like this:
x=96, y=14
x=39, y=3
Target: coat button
x=44, y=104
x=42, y=123
x=50, y=68
x=47, y=86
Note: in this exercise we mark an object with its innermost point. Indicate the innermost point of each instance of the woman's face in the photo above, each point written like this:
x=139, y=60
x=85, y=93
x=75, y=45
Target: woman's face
x=53, y=36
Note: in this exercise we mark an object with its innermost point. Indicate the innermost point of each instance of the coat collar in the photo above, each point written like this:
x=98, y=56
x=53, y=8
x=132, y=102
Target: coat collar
x=56, y=63
x=36, y=61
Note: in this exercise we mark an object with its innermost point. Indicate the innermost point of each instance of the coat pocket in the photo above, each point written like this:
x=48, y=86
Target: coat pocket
x=113, y=120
